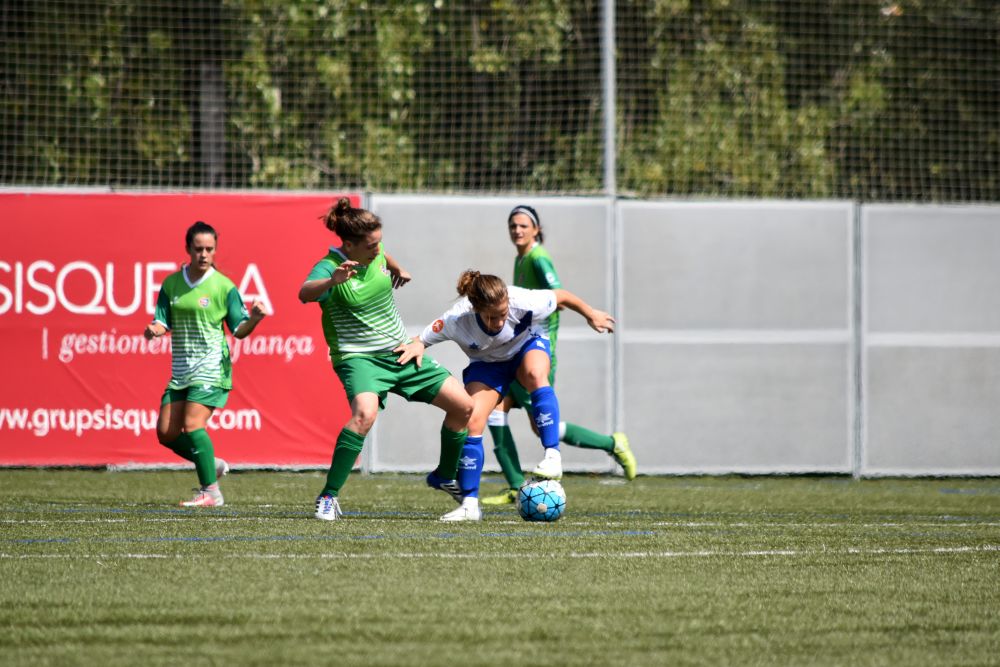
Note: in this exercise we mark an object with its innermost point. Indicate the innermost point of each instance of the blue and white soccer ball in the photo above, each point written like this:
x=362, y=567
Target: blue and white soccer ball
x=544, y=500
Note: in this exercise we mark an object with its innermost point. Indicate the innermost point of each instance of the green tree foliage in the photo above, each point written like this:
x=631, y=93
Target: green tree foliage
x=865, y=99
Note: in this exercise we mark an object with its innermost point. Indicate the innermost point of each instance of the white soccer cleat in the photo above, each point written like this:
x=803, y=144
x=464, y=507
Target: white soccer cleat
x=550, y=466
x=221, y=467
x=327, y=508
x=205, y=498
x=467, y=511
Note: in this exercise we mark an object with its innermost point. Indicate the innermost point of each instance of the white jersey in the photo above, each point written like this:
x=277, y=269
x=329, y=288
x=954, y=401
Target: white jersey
x=528, y=310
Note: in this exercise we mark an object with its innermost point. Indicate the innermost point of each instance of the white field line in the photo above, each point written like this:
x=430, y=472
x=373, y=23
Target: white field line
x=663, y=524
x=850, y=551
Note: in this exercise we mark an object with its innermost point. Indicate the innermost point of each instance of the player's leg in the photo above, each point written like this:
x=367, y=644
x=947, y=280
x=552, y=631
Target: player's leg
x=196, y=416
x=504, y=447
x=457, y=406
x=533, y=373
x=366, y=383
x=615, y=445
x=350, y=441
x=170, y=424
x=432, y=383
x=470, y=466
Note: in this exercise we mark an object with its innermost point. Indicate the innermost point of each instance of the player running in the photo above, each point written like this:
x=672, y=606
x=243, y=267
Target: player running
x=499, y=329
x=192, y=304
x=533, y=269
x=353, y=285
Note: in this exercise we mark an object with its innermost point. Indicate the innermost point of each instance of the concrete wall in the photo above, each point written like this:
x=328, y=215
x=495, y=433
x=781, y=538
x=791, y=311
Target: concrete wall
x=753, y=336
x=931, y=340
x=736, y=335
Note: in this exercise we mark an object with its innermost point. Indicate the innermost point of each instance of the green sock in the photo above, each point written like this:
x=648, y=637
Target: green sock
x=204, y=456
x=181, y=446
x=451, y=450
x=506, y=453
x=345, y=453
x=587, y=439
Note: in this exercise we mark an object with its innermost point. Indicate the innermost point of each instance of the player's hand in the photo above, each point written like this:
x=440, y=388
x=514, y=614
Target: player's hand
x=344, y=272
x=399, y=277
x=601, y=322
x=151, y=331
x=257, y=311
x=410, y=351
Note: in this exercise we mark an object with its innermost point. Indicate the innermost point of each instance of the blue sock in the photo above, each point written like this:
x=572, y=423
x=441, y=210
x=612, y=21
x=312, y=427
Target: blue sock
x=545, y=409
x=470, y=466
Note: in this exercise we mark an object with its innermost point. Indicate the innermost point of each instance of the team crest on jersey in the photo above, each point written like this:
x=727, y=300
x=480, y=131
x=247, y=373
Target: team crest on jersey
x=437, y=326
x=204, y=301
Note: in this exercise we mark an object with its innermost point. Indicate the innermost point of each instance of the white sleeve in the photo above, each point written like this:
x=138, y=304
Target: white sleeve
x=433, y=333
x=541, y=302
x=443, y=328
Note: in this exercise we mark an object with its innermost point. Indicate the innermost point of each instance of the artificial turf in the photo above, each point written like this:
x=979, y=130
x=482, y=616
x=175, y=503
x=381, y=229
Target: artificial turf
x=103, y=568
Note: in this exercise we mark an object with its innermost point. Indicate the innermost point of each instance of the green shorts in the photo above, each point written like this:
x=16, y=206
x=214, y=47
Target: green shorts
x=381, y=374
x=213, y=397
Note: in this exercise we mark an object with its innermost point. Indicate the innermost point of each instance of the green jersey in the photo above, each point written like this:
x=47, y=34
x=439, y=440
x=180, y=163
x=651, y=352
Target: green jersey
x=359, y=316
x=536, y=271
x=194, y=313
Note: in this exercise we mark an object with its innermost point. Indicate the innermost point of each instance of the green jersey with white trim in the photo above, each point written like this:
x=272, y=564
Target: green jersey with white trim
x=536, y=271
x=194, y=313
x=360, y=315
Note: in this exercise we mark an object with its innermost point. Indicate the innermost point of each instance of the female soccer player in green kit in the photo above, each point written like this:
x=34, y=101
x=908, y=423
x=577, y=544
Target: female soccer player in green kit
x=533, y=269
x=353, y=285
x=192, y=304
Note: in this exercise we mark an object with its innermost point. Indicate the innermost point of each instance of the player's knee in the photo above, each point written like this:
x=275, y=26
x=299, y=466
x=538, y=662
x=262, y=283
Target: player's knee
x=535, y=380
x=362, y=421
x=462, y=409
x=167, y=436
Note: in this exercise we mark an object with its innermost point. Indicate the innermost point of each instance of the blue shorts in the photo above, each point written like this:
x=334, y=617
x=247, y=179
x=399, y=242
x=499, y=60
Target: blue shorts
x=499, y=374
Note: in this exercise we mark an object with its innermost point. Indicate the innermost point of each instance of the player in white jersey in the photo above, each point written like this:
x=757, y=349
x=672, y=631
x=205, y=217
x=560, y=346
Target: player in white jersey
x=500, y=329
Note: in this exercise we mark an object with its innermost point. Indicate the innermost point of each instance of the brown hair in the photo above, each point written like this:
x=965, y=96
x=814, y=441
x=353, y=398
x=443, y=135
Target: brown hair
x=483, y=290
x=349, y=223
x=199, y=228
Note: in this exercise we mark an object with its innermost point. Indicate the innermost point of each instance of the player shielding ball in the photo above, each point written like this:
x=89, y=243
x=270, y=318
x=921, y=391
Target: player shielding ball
x=192, y=304
x=534, y=269
x=499, y=329
x=353, y=285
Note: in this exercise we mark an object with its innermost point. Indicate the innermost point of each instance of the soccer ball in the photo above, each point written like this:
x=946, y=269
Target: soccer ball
x=541, y=501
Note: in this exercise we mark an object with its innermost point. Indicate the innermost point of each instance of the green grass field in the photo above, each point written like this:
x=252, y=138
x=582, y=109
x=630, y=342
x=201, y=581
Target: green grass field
x=103, y=568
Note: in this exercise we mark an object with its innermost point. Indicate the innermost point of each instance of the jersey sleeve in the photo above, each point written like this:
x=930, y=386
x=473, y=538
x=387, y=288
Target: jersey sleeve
x=322, y=270
x=162, y=312
x=543, y=302
x=545, y=273
x=444, y=327
x=236, y=310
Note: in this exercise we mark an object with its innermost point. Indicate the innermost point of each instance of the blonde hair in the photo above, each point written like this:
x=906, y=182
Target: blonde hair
x=349, y=223
x=483, y=290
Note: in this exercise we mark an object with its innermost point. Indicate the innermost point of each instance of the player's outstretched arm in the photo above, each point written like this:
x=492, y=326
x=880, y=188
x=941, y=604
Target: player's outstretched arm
x=598, y=320
x=312, y=290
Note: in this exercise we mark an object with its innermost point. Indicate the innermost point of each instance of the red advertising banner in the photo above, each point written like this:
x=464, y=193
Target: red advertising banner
x=79, y=277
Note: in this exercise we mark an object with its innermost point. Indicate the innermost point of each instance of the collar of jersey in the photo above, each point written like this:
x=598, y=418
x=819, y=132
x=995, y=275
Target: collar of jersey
x=341, y=253
x=208, y=274
x=482, y=327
